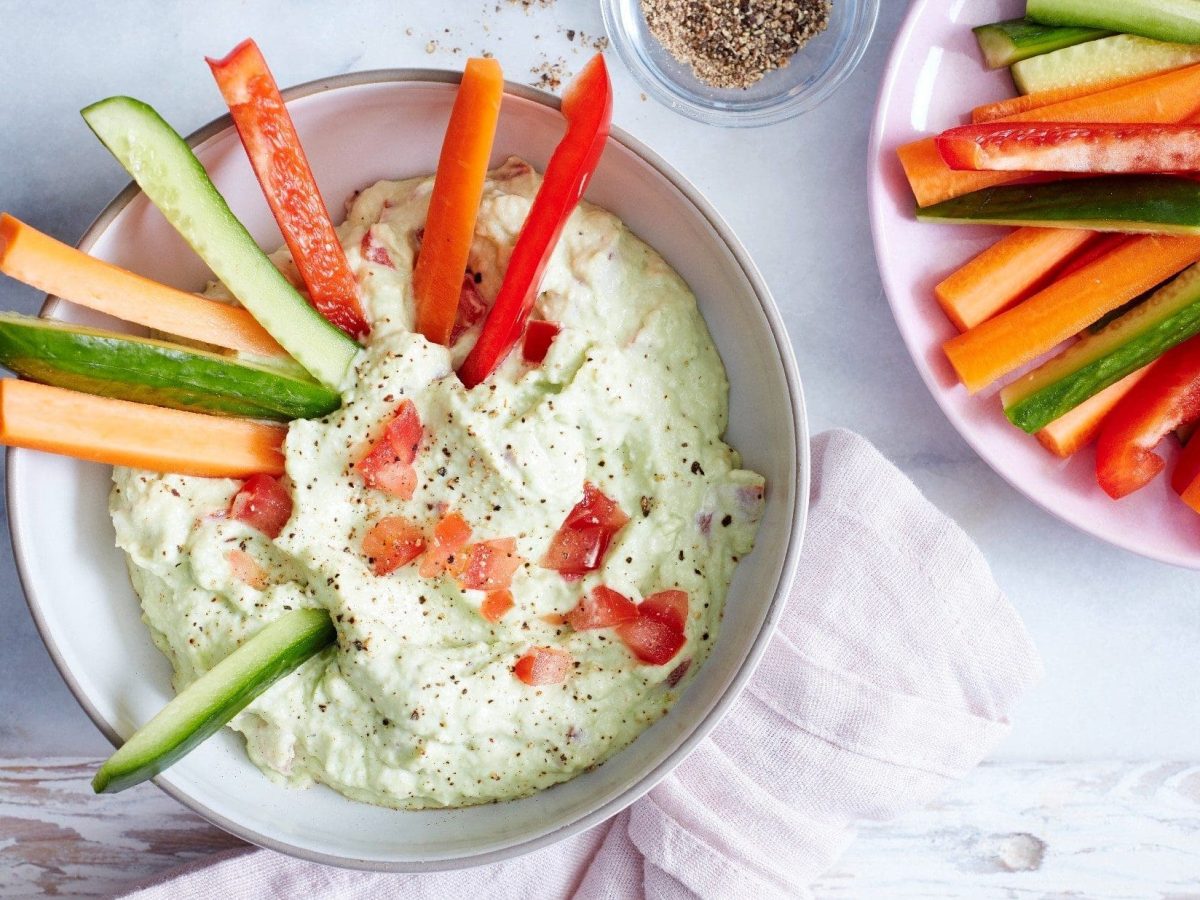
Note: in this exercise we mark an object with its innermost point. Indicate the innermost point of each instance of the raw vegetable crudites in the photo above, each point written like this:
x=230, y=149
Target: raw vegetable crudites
x=1097, y=165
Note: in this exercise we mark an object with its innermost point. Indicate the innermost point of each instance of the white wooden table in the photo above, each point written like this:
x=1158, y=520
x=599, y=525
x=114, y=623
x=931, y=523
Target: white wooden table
x=1119, y=635
x=1098, y=830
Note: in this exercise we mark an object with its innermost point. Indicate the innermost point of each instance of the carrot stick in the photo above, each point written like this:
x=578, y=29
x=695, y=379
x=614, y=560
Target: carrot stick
x=1169, y=98
x=1006, y=272
x=996, y=347
x=37, y=259
x=454, y=204
x=1076, y=429
x=1003, y=109
x=121, y=433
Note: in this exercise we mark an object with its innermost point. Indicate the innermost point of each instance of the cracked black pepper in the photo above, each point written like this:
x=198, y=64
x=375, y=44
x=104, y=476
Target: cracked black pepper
x=734, y=43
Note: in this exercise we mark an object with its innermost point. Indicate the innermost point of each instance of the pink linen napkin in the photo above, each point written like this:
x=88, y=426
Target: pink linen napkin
x=893, y=672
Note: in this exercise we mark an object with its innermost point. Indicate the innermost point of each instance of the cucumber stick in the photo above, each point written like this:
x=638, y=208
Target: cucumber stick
x=1004, y=43
x=156, y=372
x=1168, y=317
x=165, y=167
x=1110, y=60
x=1151, y=204
x=209, y=702
x=1166, y=20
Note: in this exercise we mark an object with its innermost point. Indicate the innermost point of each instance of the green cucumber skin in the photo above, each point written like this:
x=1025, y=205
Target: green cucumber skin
x=1165, y=20
x=155, y=372
x=1040, y=408
x=306, y=631
x=1156, y=204
x=1004, y=43
x=169, y=173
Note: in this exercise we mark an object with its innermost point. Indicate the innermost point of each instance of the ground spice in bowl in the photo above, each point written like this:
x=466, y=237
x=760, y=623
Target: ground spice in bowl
x=734, y=43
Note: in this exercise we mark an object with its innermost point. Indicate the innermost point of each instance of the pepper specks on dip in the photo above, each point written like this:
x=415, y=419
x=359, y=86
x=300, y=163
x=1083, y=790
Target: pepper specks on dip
x=487, y=519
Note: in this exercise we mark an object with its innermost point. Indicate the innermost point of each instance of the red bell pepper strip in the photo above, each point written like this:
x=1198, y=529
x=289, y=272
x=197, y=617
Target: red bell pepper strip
x=271, y=142
x=1071, y=147
x=587, y=107
x=1187, y=470
x=1169, y=396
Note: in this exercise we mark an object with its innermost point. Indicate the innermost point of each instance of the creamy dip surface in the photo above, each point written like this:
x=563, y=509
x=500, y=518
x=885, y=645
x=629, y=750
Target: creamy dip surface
x=417, y=705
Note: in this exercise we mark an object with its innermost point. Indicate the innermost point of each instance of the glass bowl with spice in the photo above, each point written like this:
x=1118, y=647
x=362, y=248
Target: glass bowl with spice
x=740, y=62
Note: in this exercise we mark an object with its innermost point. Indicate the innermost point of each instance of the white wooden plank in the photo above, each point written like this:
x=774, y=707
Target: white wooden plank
x=1097, y=829
x=58, y=838
x=1104, y=830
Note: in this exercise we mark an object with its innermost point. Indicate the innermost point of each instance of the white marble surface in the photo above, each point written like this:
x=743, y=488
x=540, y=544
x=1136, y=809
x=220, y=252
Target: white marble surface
x=1119, y=634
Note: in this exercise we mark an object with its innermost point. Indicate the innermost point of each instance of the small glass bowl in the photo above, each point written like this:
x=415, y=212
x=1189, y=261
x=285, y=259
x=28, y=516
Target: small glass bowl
x=814, y=73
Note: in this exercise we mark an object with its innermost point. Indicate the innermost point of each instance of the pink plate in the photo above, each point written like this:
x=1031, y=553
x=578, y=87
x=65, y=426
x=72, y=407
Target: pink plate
x=933, y=79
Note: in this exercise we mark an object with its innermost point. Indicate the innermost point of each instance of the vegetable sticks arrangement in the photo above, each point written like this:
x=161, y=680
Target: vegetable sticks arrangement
x=1097, y=164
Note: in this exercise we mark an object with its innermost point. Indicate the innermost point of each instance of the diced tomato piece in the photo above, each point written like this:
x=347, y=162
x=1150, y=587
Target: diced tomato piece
x=471, y=307
x=450, y=536
x=669, y=607
x=554, y=619
x=579, y=545
x=374, y=251
x=539, y=334
x=1098, y=148
x=496, y=604
x=602, y=607
x=544, y=665
x=246, y=569
x=392, y=542
x=488, y=565
x=397, y=479
x=1169, y=396
x=651, y=640
x=262, y=503
x=404, y=432
x=388, y=465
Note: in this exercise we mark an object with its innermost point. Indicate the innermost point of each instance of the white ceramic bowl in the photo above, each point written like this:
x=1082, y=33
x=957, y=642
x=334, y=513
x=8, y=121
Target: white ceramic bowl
x=357, y=129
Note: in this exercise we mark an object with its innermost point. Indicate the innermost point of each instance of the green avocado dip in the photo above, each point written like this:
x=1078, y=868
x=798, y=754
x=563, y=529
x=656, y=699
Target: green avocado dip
x=417, y=704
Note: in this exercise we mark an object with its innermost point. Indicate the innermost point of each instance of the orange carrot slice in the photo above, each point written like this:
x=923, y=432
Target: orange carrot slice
x=1169, y=98
x=996, y=347
x=1076, y=429
x=1006, y=272
x=40, y=261
x=1012, y=106
x=933, y=181
x=454, y=204
x=121, y=433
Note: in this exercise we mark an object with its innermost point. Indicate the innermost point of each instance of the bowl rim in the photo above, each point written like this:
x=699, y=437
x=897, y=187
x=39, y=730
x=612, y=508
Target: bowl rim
x=798, y=514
